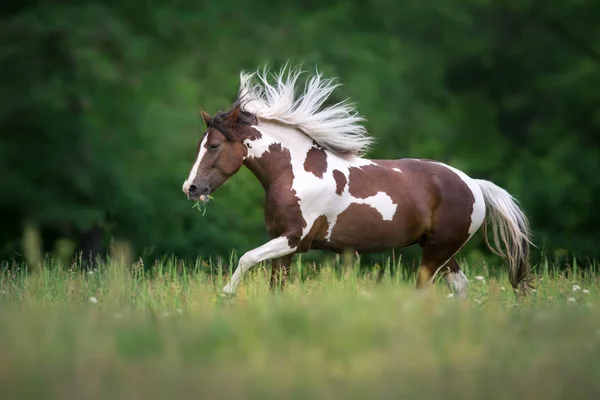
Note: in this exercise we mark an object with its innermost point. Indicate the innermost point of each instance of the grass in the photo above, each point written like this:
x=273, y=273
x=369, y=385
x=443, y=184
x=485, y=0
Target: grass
x=116, y=333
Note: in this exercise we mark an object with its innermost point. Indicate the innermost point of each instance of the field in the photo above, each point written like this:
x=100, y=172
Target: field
x=116, y=333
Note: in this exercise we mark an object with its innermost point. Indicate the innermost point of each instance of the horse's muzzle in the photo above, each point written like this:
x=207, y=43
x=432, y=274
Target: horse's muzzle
x=196, y=193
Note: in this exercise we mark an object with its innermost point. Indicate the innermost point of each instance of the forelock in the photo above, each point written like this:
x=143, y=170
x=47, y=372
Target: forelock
x=233, y=131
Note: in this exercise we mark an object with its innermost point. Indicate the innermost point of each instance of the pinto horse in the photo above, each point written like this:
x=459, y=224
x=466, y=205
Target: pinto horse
x=322, y=193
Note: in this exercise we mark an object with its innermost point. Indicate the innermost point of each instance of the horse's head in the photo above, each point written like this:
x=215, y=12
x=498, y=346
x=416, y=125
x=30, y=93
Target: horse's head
x=221, y=151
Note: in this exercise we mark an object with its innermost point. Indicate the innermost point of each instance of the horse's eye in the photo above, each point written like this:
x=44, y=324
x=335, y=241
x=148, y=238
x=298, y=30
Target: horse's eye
x=213, y=146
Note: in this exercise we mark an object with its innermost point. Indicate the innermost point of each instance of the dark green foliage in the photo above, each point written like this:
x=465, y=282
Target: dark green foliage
x=99, y=109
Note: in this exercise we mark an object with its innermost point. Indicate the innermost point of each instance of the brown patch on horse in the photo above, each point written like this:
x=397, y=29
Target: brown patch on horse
x=318, y=232
x=434, y=207
x=360, y=227
x=450, y=221
x=283, y=215
x=340, y=181
x=316, y=160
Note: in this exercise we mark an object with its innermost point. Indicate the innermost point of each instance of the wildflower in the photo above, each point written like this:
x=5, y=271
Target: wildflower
x=91, y=272
x=576, y=288
x=533, y=290
x=571, y=299
x=502, y=289
x=450, y=295
x=479, y=278
x=93, y=300
x=585, y=291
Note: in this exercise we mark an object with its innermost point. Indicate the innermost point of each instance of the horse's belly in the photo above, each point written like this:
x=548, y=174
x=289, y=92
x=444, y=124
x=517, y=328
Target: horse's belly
x=362, y=228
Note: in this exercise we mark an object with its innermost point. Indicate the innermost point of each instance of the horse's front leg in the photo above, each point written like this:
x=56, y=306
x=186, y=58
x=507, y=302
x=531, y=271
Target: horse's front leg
x=277, y=247
x=280, y=270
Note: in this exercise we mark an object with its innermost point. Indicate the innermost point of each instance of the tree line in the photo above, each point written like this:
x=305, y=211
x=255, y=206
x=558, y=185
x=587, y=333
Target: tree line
x=100, y=100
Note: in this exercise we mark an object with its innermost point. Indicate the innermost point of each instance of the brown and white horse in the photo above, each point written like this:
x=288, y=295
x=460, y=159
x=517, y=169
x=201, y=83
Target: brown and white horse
x=321, y=193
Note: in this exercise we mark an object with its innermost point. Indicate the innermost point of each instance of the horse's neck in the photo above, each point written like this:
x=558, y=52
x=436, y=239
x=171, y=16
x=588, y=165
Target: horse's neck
x=279, y=146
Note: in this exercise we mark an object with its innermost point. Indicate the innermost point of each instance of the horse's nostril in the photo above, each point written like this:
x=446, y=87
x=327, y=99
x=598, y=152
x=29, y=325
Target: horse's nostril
x=193, y=189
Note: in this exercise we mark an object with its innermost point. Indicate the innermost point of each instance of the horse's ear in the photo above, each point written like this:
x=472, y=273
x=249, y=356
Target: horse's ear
x=207, y=118
x=234, y=115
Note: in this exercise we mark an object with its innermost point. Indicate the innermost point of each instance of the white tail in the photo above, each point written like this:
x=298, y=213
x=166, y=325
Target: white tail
x=509, y=225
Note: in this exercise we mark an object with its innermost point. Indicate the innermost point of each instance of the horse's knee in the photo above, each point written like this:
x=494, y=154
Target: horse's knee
x=246, y=261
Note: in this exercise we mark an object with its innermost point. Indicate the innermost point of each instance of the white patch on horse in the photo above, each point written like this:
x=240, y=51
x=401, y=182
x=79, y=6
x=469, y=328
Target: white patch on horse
x=258, y=147
x=309, y=188
x=397, y=170
x=188, y=182
x=479, y=208
x=382, y=202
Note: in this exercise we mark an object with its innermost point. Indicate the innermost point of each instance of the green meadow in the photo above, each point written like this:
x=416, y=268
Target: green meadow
x=120, y=332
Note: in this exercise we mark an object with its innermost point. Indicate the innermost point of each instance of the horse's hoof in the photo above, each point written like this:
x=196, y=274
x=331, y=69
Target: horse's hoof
x=228, y=291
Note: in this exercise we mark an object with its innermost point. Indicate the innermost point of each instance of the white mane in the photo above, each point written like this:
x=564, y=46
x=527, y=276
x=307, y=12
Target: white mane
x=337, y=127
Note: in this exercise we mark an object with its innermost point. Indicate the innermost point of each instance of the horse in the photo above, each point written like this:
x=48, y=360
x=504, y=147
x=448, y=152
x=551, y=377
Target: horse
x=322, y=193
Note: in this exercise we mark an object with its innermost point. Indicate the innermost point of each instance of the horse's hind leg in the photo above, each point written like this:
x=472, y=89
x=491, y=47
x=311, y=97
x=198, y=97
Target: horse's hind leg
x=455, y=279
x=280, y=269
x=438, y=258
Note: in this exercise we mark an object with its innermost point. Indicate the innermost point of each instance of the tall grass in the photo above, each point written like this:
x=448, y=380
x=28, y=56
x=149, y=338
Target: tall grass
x=119, y=333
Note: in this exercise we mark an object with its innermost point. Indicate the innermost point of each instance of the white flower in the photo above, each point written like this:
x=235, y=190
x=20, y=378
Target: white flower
x=585, y=291
x=91, y=272
x=479, y=278
x=93, y=300
x=533, y=290
x=502, y=289
x=450, y=295
x=571, y=299
x=576, y=288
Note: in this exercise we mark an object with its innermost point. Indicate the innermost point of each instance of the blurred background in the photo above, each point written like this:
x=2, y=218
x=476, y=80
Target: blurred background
x=99, y=110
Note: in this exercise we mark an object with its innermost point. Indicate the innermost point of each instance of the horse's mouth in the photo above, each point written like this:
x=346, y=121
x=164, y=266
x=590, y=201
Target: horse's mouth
x=203, y=198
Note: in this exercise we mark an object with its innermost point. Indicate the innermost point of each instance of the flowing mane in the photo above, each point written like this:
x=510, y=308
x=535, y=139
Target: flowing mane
x=336, y=127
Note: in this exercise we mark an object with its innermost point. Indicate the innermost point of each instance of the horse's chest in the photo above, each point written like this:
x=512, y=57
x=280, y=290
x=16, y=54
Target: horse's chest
x=283, y=213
